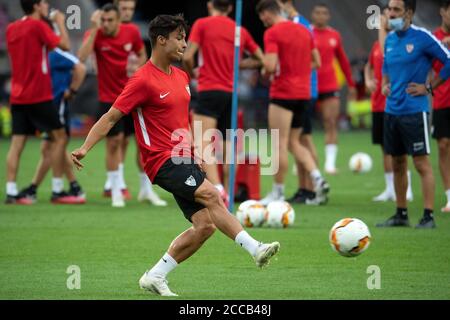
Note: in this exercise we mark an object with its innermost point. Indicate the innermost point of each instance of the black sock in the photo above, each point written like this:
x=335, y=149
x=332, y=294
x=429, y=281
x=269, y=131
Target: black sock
x=74, y=185
x=32, y=188
x=402, y=213
x=427, y=213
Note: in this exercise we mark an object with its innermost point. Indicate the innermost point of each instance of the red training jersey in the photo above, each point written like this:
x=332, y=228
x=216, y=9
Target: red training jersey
x=376, y=62
x=215, y=37
x=329, y=43
x=29, y=41
x=441, y=99
x=293, y=43
x=159, y=103
x=112, y=59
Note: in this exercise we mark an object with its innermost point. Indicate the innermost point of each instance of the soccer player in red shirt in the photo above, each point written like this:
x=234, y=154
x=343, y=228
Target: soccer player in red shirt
x=289, y=61
x=213, y=38
x=441, y=107
x=112, y=42
x=28, y=40
x=146, y=192
x=158, y=97
x=329, y=43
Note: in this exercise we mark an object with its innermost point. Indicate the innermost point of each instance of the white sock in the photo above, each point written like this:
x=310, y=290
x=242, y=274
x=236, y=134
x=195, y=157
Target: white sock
x=57, y=185
x=164, y=266
x=315, y=175
x=409, y=182
x=146, y=185
x=247, y=242
x=107, y=184
x=331, y=151
x=389, y=178
x=448, y=195
x=11, y=189
x=122, y=183
x=278, y=189
x=113, y=176
x=219, y=187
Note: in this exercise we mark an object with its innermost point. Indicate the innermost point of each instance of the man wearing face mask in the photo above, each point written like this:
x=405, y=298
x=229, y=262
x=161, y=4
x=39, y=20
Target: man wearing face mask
x=409, y=53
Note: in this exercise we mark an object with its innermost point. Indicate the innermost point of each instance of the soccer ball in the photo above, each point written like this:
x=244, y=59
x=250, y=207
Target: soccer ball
x=350, y=237
x=280, y=214
x=251, y=214
x=360, y=162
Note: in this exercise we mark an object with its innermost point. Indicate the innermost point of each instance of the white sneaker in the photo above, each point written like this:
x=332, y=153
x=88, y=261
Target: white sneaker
x=265, y=252
x=118, y=201
x=271, y=197
x=156, y=284
x=152, y=197
x=385, y=196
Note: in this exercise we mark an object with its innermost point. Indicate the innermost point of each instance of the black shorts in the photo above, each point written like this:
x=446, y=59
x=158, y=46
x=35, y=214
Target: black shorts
x=298, y=107
x=118, y=127
x=378, y=128
x=406, y=135
x=63, y=114
x=328, y=95
x=308, y=117
x=441, y=123
x=182, y=180
x=217, y=105
x=26, y=119
x=128, y=125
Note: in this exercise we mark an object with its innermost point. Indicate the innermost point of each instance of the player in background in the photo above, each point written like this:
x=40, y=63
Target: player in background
x=289, y=60
x=329, y=43
x=408, y=56
x=112, y=42
x=146, y=193
x=305, y=193
x=67, y=74
x=28, y=40
x=169, y=162
x=373, y=79
x=441, y=106
x=213, y=38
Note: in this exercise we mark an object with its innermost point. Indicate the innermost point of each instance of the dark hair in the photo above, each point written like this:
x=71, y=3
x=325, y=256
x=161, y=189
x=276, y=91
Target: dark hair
x=445, y=4
x=110, y=7
x=321, y=5
x=221, y=5
x=28, y=5
x=268, y=5
x=410, y=4
x=165, y=24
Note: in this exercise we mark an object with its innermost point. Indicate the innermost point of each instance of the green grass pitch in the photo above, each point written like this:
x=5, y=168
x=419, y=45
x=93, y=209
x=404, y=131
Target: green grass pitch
x=113, y=247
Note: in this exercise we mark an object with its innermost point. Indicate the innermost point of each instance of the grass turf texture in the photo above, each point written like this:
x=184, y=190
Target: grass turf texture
x=113, y=247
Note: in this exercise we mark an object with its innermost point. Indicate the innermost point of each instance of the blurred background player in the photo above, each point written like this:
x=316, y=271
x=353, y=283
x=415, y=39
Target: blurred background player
x=155, y=120
x=126, y=11
x=305, y=193
x=288, y=60
x=409, y=54
x=441, y=106
x=112, y=42
x=373, y=79
x=67, y=74
x=28, y=40
x=213, y=38
x=329, y=43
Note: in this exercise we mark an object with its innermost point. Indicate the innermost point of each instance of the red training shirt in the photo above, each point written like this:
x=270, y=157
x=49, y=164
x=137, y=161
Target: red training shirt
x=29, y=41
x=376, y=62
x=159, y=104
x=112, y=59
x=293, y=43
x=441, y=99
x=215, y=37
x=329, y=43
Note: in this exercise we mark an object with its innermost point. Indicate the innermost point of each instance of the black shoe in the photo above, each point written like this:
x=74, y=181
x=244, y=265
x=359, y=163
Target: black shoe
x=19, y=199
x=29, y=193
x=394, y=221
x=76, y=192
x=298, y=197
x=426, y=223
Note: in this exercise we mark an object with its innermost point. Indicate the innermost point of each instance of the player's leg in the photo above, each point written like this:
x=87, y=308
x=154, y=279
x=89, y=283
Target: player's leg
x=146, y=192
x=280, y=118
x=423, y=167
x=444, y=167
x=330, y=113
x=113, y=158
x=128, y=130
x=12, y=167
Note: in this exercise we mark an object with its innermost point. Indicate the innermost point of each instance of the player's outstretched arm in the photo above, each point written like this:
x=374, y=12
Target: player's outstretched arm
x=316, y=59
x=59, y=19
x=88, y=44
x=97, y=133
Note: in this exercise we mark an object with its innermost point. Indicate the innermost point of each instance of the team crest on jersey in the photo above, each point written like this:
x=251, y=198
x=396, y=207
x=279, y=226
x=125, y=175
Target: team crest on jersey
x=333, y=42
x=188, y=90
x=128, y=47
x=409, y=48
